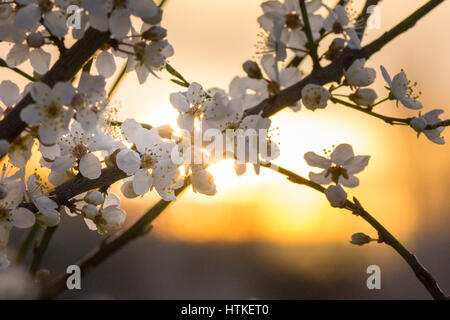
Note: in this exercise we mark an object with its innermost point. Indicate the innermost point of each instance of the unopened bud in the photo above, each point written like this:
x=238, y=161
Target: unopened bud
x=418, y=123
x=252, y=69
x=364, y=97
x=90, y=211
x=360, y=239
x=336, y=195
x=94, y=197
x=155, y=33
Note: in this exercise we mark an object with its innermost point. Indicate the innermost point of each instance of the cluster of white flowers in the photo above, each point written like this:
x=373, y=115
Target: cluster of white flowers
x=13, y=192
x=73, y=127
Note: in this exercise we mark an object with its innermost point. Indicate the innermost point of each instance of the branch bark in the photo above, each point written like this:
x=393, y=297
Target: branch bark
x=64, y=69
x=78, y=185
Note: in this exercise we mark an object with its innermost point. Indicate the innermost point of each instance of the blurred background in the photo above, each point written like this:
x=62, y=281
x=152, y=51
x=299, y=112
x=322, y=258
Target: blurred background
x=262, y=236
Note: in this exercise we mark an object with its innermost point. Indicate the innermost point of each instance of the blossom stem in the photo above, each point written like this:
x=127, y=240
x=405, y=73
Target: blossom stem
x=176, y=74
x=379, y=102
x=312, y=46
x=161, y=4
x=390, y=120
x=16, y=70
x=41, y=249
x=119, y=78
x=385, y=236
x=27, y=243
x=109, y=247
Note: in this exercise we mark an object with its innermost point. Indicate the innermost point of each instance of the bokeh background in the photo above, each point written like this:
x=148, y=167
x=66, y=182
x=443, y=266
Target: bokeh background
x=261, y=236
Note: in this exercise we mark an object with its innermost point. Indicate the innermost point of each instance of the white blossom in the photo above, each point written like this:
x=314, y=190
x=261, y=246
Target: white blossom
x=364, y=97
x=400, y=90
x=431, y=117
x=50, y=110
x=339, y=168
x=28, y=17
x=315, y=96
x=339, y=22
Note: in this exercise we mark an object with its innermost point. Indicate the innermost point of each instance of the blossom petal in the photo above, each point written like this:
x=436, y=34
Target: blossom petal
x=342, y=153
x=22, y=218
x=179, y=102
x=55, y=21
x=40, y=60
x=40, y=92
x=119, y=23
x=105, y=64
x=90, y=166
x=320, y=178
x=27, y=17
x=142, y=182
x=18, y=54
x=63, y=163
x=315, y=160
x=9, y=92
x=350, y=182
x=356, y=164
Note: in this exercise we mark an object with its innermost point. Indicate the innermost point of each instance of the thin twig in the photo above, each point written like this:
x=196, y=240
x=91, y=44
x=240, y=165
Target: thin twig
x=119, y=78
x=42, y=248
x=387, y=119
x=311, y=45
x=355, y=207
x=26, y=244
x=3, y=64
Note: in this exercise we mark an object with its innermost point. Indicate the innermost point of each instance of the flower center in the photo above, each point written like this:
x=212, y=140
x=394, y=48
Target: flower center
x=313, y=99
x=79, y=150
x=139, y=50
x=147, y=161
x=292, y=20
x=53, y=110
x=337, y=27
x=336, y=172
x=4, y=213
x=120, y=3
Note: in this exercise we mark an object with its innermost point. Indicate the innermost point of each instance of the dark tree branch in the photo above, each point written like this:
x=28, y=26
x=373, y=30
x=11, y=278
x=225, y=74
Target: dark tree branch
x=363, y=17
x=78, y=185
